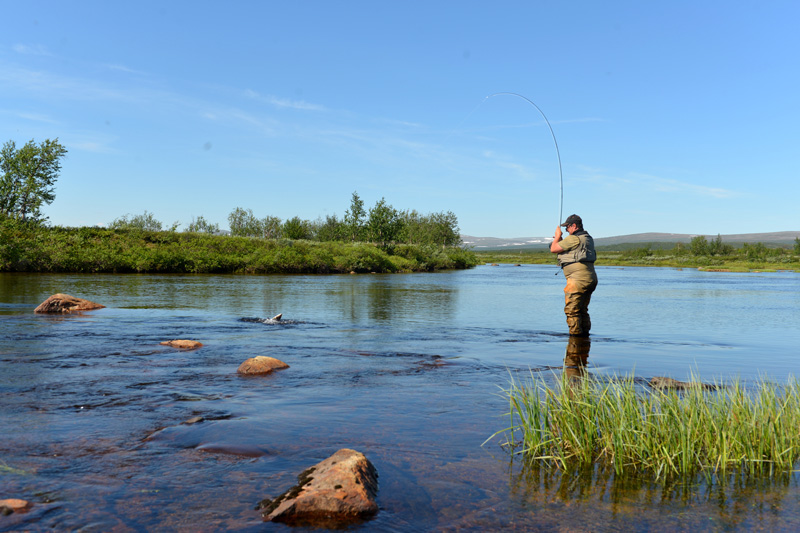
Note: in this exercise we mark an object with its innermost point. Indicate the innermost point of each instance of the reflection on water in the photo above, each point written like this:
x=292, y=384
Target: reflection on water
x=577, y=356
x=405, y=368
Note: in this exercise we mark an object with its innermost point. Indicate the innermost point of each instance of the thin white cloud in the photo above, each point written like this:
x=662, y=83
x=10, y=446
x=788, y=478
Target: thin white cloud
x=654, y=183
x=33, y=117
x=283, y=102
x=90, y=142
x=123, y=68
x=660, y=184
x=25, y=49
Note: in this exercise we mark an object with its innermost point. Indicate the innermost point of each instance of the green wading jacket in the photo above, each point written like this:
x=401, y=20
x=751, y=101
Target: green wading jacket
x=578, y=248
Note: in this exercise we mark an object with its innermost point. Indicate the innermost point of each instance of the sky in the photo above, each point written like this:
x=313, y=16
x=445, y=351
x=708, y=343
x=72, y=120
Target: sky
x=673, y=117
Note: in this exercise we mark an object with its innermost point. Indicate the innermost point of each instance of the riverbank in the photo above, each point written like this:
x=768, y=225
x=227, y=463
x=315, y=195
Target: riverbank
x=31, y=248
x=764, y=260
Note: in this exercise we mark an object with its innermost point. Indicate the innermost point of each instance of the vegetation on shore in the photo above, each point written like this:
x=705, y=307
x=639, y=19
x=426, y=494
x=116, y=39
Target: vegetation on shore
x=614, y=424
x=26, y=247
x=699, y=253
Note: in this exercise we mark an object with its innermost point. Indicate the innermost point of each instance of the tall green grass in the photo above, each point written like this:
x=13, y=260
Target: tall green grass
x=616, y=424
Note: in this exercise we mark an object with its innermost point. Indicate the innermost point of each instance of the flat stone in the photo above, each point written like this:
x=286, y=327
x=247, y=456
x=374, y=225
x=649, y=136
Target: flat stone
x=261, y=365
x=16, y=505
x=660, y=382
x=334, y=492
x=183, y=344
x=64, y=303
x=243, y=450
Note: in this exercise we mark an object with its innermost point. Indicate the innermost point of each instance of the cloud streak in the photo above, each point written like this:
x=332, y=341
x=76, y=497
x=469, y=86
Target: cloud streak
x=283, y=103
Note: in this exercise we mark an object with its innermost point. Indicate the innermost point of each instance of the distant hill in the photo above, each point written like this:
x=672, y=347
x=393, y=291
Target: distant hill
x=779, y=238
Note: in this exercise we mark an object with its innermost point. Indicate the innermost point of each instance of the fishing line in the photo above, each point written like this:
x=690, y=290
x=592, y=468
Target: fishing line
x=558, y=154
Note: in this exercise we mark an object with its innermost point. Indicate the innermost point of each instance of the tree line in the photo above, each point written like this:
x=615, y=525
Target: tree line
x=28, y=177
x=382, y=225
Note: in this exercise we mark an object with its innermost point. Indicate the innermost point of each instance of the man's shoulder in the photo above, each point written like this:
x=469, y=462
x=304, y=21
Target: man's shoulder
x=569, y=242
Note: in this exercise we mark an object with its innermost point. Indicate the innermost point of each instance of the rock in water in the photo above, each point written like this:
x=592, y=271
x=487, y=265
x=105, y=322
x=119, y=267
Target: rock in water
x=660, y=382
x=261, y=365
x=64, y=303
x=183, y=344
x=337, y=491
x=15, y=505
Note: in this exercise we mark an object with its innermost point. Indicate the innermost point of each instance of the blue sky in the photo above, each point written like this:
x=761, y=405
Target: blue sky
x=676, y=117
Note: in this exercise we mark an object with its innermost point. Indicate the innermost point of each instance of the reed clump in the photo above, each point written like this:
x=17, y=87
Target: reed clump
x=620, y=425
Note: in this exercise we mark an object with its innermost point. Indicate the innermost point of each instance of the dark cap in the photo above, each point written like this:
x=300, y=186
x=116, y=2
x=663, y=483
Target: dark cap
x=573, y=219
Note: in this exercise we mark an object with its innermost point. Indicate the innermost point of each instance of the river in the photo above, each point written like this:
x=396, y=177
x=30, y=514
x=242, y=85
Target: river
x=407, y=369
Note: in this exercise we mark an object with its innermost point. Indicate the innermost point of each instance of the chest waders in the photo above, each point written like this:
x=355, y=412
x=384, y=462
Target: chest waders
x=578, y=267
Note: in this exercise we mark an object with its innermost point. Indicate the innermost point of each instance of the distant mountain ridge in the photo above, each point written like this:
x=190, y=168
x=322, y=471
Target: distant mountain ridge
x=536, y=243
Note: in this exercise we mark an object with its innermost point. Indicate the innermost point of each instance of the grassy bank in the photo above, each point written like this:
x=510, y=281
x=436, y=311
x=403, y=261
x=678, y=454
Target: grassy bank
x=576, y=424
x=32, y=248
x=738, y=260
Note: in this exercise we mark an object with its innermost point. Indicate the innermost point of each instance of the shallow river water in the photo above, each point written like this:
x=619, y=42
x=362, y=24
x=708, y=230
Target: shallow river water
x=404, y=368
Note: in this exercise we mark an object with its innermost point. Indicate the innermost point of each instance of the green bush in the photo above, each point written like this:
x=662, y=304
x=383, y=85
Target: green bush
x=29, y=247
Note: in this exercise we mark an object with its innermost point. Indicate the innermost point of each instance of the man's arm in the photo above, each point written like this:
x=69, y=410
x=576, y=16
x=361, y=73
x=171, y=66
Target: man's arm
x=555, y=247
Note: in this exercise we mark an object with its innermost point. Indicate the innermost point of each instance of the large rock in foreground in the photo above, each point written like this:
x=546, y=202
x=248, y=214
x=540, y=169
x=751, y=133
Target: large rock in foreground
x=64, y=303
x=261, y=365
x=333, y=493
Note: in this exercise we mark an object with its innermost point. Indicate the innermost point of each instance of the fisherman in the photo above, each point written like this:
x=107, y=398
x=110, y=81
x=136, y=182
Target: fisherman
x=576, y=257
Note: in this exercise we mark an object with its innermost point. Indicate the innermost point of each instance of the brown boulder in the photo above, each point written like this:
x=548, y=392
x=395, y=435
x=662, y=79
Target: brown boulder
x=183, y=344
x=64, y=303
x=339, y=490
x=14, y=505
x=261, y=365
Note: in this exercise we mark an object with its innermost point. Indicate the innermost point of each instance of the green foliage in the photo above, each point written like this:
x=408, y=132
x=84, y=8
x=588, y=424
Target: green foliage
x=755, y=252
x=797, y=246
x=243, y=223
x=271, y=227
x=435, y=228
x=28, y=177
x=663, y=434
x=354, y=219
x=296, y=228
x=144, y=222
x=747, y=257
x=384, y=224
x=28, y=247
x=201, y=225
x=637, y=253
x=331, y=229
x=717, y=247
x=698, y=245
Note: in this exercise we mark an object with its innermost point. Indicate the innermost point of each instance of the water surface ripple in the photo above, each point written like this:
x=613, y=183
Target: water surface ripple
x=405, y=368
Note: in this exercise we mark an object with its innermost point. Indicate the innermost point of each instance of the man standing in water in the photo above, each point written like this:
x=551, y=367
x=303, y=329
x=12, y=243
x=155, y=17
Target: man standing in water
x=576, y=256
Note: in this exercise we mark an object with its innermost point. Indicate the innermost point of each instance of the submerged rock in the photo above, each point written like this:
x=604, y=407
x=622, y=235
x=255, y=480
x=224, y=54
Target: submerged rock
x=261, y=365
x=64, y=303
x=183, y=344
x=337, y=491
x=243, y=450
x=660, y=382
x=14, y=505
